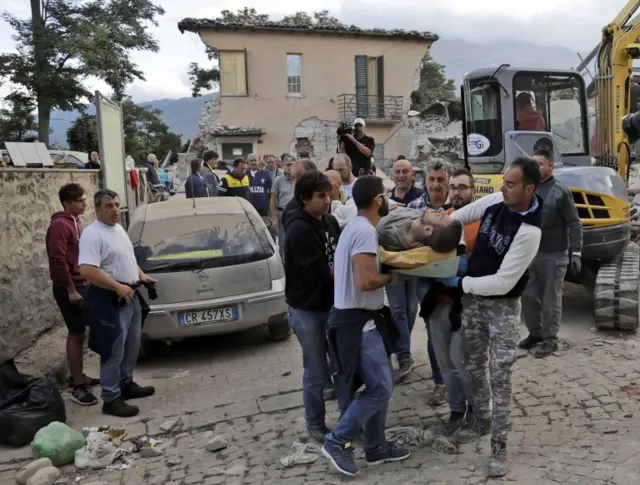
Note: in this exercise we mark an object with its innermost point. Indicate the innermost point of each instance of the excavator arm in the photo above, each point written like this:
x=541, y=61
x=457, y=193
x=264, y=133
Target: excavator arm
x=611, y=144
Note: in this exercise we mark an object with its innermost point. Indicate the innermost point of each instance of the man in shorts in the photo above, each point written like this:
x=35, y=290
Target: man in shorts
x=69, y=287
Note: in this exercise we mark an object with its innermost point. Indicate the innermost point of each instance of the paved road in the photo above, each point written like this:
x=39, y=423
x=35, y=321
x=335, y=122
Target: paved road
x=576, y=418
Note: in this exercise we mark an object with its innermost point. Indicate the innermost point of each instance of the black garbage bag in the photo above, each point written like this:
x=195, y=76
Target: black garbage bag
x=26, y=404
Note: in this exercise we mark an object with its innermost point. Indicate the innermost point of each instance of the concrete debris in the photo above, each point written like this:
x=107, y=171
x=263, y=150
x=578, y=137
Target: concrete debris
x=150, y=452
x=44, y=476
x=27, y=471
x=304, y=453
x=171, y=425
x=236, y=471
x=217, y=443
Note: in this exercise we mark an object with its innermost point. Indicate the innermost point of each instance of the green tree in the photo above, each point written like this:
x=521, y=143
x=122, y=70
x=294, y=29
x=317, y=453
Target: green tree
x=144, y=132
x=66, y=41
x=17, y=122
x=206, y=79
x=434, y=85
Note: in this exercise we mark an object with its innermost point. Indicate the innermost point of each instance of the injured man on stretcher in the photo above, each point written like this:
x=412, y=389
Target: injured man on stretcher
x=404, y=229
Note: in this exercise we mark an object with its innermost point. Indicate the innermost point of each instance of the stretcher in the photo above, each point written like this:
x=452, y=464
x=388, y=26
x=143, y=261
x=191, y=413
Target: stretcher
x=423, y=262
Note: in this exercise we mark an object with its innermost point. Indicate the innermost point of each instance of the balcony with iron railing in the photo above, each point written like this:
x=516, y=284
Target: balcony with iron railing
x=373, y=109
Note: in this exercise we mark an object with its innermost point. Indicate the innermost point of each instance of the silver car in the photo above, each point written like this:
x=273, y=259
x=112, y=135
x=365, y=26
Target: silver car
x=217, y=267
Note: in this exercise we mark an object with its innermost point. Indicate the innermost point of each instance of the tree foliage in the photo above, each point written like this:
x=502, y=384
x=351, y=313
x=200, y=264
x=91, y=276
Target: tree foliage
x=66, y=41
x=434, y=85
x=17, y=122
x=144, y=132
x=206, y=79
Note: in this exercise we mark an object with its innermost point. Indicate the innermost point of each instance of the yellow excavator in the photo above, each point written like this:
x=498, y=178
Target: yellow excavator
x=511, y=112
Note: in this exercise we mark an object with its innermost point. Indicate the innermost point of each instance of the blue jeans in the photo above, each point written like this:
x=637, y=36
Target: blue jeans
x=448, y=350
x=403, y=304
x=118, y=370
x=369, y=408
x=423, y=286
x=310, y=329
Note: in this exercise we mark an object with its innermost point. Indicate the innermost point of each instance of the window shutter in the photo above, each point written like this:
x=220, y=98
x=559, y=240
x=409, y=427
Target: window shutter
x=227, y=73
x=246, y=72
x=361, y=87
x=380, y=75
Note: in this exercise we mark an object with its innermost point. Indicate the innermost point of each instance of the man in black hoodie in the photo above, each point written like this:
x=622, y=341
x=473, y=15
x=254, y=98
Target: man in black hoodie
x=310, y=242
x=508, y=240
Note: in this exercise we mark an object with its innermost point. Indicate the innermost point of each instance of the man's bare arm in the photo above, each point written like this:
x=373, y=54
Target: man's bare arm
x=365, y=273
x=274, y=211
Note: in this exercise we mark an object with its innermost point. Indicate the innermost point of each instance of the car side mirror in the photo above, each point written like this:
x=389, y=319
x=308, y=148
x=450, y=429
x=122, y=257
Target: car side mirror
x=267, y=221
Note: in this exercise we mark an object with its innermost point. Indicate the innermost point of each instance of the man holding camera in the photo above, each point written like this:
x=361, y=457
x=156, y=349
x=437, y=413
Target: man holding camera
x=359, y=147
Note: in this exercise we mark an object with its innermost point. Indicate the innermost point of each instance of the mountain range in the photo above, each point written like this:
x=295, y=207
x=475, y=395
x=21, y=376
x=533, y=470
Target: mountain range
x=458, y=56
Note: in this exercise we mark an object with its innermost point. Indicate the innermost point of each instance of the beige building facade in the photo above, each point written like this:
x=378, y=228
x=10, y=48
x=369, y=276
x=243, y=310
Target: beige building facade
x=284, y=88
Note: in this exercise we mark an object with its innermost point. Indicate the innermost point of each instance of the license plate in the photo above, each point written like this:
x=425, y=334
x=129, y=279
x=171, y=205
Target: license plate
x=211, y=315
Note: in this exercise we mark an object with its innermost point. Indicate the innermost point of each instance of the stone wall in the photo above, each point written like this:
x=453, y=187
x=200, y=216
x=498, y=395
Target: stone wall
x=28, y=198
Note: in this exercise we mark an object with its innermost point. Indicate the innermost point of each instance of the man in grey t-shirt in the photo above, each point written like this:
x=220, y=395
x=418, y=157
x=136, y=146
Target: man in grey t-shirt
x=281, y=194
x=356, y=344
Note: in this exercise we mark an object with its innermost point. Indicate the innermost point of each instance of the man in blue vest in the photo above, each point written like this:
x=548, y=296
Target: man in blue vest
x=507, y=242
x=260, y=185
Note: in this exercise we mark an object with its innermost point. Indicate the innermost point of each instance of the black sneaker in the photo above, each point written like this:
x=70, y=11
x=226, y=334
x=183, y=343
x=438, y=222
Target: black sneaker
x=456, y=420
x=498, y=463
x=547, y=348
x=529, y=342
x=404, y=367
x=135, y=391
x=317, y=433
x=88, y=381
x=341, y=457
x=393, y=453
x=119, y=408
x=81, y=395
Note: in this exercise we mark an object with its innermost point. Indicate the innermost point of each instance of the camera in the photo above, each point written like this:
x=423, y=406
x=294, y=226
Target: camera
x=343, y=130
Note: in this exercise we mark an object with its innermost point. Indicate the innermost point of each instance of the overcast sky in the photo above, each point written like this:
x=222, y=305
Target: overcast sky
x=575, y=24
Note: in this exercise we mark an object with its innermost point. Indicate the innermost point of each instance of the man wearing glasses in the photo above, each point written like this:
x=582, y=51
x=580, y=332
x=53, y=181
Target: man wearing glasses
x=441, y=309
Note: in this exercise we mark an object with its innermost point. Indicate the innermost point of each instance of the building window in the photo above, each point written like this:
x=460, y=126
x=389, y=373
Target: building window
x=294, y=73
x=233, y=73
x=370, y=99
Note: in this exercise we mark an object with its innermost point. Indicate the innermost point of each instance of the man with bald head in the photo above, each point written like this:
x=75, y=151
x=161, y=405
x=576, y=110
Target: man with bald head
x=402, y=295
x=336, y=181
x=298, y=168
x=342, y=164
x=405, y=190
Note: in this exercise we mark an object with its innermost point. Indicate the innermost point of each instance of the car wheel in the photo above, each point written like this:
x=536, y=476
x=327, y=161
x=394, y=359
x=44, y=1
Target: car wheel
x=280, y=330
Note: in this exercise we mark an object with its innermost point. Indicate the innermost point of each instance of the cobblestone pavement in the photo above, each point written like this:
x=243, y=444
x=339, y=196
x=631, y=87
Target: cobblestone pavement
x=576, y=417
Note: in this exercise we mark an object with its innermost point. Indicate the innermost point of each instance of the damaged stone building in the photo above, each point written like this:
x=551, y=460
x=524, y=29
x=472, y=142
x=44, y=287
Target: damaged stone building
x=285, y=87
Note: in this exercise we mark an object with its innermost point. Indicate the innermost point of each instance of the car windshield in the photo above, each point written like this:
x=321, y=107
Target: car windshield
x=199, y=242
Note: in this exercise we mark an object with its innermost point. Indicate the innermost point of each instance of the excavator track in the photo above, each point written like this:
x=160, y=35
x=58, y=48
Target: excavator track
x=616, y=295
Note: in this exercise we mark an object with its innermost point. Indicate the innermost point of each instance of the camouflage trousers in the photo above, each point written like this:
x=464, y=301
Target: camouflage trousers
x=490, y=336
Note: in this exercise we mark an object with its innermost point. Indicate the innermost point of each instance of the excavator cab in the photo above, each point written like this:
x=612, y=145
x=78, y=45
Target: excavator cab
x=511, y=113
